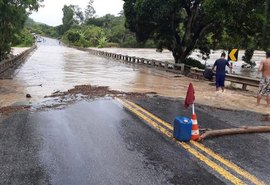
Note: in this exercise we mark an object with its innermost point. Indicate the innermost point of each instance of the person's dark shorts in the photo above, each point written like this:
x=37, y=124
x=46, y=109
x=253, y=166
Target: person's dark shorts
x=220, y=79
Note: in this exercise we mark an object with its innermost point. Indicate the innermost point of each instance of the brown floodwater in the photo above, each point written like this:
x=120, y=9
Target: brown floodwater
x=53, y=67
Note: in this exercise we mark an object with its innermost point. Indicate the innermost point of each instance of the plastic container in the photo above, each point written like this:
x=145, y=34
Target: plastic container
x=182, y=129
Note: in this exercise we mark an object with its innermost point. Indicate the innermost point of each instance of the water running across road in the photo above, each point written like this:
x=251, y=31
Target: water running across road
x=53, y=67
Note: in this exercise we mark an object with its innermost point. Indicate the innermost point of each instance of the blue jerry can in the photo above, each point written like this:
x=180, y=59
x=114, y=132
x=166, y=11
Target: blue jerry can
x=182, y=128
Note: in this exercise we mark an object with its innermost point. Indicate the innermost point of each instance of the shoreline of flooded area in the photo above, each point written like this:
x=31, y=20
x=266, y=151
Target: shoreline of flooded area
x=53, y=68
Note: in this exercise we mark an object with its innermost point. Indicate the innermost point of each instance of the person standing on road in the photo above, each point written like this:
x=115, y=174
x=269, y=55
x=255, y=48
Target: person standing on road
x=264, y=88
x=220, y=65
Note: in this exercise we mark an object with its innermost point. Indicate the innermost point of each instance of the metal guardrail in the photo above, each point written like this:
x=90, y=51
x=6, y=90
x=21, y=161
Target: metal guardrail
x=244, y=81
x=167, y=66
x=16, y=60
x=171, y=67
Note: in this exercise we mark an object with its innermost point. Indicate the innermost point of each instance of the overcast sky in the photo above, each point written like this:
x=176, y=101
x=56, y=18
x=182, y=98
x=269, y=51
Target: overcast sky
x=52, y=14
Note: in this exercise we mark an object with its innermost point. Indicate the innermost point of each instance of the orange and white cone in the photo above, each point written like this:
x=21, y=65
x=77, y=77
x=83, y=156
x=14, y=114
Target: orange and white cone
x=195, y=133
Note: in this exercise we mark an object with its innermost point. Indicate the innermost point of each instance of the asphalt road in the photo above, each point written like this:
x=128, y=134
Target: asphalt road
x=250, y=151
x=93, y=142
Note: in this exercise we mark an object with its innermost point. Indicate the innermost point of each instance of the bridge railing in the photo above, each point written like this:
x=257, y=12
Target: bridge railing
x=244, y=81
x=172, y=67
x=167, y=66
x=16, y=60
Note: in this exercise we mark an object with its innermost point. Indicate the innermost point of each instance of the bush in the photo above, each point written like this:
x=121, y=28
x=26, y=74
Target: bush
x=194, y=63
x=73, y=36
x=102, y=42
x=112, y=45
x=248, y=56
x=24, y=39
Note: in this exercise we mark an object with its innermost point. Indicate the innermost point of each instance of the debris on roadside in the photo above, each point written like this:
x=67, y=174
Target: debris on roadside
x=96, y=91
x=11, y=109
x=72, y=95
x=266, y=118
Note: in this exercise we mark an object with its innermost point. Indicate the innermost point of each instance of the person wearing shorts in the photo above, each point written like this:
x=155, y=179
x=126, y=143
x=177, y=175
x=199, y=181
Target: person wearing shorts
x=264, y=87
x=220, y=65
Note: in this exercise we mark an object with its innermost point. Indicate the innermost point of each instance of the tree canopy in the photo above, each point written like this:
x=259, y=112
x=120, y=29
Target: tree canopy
x=89, y=10
x=182, y=25
x=13, y=14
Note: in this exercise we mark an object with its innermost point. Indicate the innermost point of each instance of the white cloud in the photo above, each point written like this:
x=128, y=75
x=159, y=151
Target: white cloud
x=52, y=14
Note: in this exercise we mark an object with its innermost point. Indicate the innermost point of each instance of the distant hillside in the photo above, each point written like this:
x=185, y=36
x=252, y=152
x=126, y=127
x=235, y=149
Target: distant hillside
x=41, y=28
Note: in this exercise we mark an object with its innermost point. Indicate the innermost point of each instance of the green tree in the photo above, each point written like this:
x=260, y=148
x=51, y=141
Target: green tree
x=248, y=56
x=93, y=34
x=179, y=25
x=40, y=28
x=13, y=14
x=89, y=12
x=73, y=36
x=23, y=39
x=68, y=20
x=79, y=17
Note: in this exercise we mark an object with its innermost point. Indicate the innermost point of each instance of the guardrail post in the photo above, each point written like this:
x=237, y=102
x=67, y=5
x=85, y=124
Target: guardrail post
x=166, y=65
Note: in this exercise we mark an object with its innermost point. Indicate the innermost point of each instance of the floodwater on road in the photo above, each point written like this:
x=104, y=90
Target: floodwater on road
x=53, y=67
x=166, y=55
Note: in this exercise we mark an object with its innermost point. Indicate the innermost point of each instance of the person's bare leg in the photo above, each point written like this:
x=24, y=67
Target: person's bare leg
x=222, y=89
x=259, y=97
x=268, y=100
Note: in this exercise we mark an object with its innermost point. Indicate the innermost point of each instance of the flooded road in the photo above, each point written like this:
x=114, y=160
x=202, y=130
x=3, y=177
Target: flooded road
x=57, y=68
x=166, y=55
x=53, y=67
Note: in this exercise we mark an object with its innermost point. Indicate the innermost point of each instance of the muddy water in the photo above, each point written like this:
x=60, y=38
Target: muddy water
x=167, y=56
x=53, y=67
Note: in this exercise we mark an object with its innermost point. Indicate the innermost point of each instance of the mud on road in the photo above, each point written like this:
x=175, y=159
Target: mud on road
x=58, y=99
x=73, y=95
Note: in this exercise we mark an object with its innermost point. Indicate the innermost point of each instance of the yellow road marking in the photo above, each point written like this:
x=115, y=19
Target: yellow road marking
x=169, y=126
x=227, y=175
x=231, y=165
x=219, y=158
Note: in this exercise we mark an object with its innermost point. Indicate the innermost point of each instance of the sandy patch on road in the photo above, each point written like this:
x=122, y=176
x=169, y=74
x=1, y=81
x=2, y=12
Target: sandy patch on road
x=77, y=93
x=232, y=98
x=18, y=50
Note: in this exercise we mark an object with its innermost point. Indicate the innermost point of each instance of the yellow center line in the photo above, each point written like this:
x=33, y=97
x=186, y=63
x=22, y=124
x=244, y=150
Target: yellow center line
x=219, y=158
x=229, y=164
x=227, y=175
x=169, y=126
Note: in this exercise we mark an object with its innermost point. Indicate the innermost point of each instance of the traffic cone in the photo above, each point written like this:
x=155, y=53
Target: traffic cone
x=195, y=133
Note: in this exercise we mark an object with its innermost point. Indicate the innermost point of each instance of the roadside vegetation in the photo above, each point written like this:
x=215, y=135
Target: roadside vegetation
x=84, y=29
x=179, y=26
x=12, y=18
